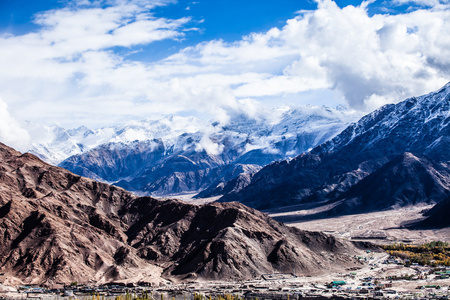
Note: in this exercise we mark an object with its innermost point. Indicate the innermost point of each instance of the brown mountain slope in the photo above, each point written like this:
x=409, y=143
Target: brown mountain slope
x=59, y=227
x=227, y=241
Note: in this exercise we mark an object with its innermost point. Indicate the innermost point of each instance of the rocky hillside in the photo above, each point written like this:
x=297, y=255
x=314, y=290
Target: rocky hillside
x=60, y=227
x=420, y=126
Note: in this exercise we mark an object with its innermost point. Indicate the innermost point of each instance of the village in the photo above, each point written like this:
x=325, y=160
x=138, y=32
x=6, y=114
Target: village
x=383, y=277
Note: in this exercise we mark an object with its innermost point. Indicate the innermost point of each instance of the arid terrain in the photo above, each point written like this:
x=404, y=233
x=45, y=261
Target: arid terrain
x=60, y=227
x=383, y=227
x=378, y=227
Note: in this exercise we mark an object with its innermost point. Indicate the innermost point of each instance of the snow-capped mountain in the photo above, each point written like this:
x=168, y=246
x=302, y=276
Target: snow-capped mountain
x=419, y=125
x=54, y=144
x=178, y=154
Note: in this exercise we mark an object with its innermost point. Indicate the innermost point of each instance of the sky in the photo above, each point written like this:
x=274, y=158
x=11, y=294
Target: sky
x=103, y=62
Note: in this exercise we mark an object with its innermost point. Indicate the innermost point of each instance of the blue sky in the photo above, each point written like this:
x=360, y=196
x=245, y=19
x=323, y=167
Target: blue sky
x=227, y=20
x=99, y=62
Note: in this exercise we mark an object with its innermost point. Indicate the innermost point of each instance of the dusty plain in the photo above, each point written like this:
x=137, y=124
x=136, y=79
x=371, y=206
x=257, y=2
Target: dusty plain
x=383, y=227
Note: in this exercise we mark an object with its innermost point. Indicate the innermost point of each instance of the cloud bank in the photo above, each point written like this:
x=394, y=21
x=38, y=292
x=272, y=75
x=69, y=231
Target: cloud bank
x=369, y=60
x=11, y=133
x=75, y=69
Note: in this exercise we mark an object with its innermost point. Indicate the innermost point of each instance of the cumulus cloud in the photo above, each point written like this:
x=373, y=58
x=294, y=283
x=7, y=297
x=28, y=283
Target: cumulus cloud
x=431, y=3
x=11, y=133
x=371, y=60
x=57, y=71
x=69, y=69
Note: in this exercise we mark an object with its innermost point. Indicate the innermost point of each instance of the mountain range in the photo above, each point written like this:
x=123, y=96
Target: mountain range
x=58, y=227
x=395, y=156
x=184, y=154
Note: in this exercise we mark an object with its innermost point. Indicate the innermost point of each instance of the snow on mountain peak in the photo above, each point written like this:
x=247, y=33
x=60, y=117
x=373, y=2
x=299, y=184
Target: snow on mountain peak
x=409, y=117
x=54, y=144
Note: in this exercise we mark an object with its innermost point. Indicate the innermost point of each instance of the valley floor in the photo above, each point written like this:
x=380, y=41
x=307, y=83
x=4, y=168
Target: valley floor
x=374, y=280
x=383, y=227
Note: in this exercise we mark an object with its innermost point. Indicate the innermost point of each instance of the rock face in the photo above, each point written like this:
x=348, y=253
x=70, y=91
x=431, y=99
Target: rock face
x=182, y=173
x=420, y=126
x=234, y=178
x=60, y=227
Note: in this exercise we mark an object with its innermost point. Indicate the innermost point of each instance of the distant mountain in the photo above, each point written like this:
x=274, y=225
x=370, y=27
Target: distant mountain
x=419, y=125
x=235, y=179
x=176, y=155
x=59, y=227
x=53, y=143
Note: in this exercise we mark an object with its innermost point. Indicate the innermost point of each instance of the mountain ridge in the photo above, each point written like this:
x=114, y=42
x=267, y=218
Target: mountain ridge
x=178, y=155
x=420, y=125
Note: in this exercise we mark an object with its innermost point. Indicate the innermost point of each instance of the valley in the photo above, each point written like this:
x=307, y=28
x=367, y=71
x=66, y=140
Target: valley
x=378, y=227
x=381, y=277
x=381, y=227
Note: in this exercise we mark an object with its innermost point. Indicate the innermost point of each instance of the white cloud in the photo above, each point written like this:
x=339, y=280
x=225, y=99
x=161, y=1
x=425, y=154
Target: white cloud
x=209, y=146
x=11, y=133
x=58, y=69
x=68, y=72
x=70, y=32
x=431, y=3
x=366, y=58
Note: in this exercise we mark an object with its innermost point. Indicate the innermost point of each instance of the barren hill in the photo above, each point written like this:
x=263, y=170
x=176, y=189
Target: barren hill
x=60, y=227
